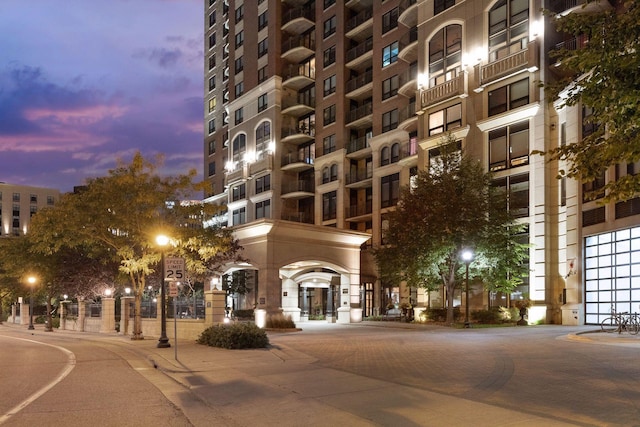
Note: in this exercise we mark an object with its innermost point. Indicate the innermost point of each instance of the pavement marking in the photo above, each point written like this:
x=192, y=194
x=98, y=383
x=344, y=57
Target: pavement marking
x=71, y=363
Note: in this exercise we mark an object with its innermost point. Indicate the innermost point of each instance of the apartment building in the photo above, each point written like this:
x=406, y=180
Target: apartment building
x=18, y=203
x=316, y=113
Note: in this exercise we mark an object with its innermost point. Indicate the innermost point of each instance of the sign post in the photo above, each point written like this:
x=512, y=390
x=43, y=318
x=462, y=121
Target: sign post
x=174, y=273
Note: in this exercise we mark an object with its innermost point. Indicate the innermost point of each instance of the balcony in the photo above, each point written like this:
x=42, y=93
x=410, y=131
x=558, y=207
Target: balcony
x=298, y=106
x=360, y=27
x=360, y=87
x=361, y=55
x=298, y=76
x=408, y=81
x=407, y=119
x=358, y=212
x=264, y=163
x=298, y=48
x=408, y=13
x=297, y=135
x=297, y=189
x=303, y=217
x=358, y=148
x=239, y=173
x=358, y=4
x=299, y=20
x=408, y=45
x=526, y=59
x=409, y=149
x=293, y=162
x=360, y=178
x=564, y=7
x=575, y=43
x=456, y=87
x=360, y=117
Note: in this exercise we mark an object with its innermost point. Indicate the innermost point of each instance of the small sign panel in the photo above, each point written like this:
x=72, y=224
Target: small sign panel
x=173, y=289
x=174, y=269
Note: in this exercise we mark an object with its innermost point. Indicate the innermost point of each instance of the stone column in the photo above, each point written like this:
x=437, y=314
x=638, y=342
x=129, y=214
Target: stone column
x=82, y=310
x=108, y=321
x=125, y=314
x=24, y=311
x=214, y=306
x=63, y=315
x=14, y=309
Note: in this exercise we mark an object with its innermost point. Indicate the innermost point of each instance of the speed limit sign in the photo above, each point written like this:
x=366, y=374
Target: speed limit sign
x=174, y=269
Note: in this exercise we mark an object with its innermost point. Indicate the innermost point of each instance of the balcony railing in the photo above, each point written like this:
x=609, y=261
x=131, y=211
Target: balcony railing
x=307, y=13
x=357, y=144
x=359, y=81
x=306, y=41
x=359, y=19
x=359, y=210
x=358, y=176
x=302, y=217
x=446, y=90
x=358, y=113
x=299, y=186
x=309, y=101
x=299, y=130
x=360, y=50
x=292, y=158
x=302, y=70
x=525, y=58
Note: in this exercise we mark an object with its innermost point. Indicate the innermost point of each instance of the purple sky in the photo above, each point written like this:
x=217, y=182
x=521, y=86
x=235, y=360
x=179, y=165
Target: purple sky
x=84, y=82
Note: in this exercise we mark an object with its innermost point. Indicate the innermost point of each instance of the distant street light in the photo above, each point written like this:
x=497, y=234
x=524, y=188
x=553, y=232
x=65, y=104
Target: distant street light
x=32, y=284
x=467, y=257
x=163, y=341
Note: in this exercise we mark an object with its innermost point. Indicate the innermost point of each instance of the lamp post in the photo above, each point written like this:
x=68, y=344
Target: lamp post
x=32, y=284
x=163, y=341
x=467, y=257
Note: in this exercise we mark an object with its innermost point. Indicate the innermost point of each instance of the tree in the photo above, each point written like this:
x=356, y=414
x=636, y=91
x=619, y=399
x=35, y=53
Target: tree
x=448, y=208
x=605, y=77
x=117, y=218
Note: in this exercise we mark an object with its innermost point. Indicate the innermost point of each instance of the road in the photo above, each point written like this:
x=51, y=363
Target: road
x=82, y=383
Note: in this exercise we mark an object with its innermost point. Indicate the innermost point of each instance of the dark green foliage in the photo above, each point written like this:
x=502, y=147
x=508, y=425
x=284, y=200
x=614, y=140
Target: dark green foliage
x=491, y=316
x=234, y=336
x=243, y=314
x=440, y=314
x=279, y=321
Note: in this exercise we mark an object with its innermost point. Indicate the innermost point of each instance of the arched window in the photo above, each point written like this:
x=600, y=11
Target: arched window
x=334, y=173
x=445, y=54
x=325, y=174
x=385, y=157
x=395, y=153
x=508, y=28
x=239, y=147
x=263, y=137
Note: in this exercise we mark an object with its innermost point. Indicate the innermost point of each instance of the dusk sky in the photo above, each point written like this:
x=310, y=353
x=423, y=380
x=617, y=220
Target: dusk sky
x=84, y=82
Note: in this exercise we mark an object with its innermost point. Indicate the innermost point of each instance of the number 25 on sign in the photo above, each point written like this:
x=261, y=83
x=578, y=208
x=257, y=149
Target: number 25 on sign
x=174, y=269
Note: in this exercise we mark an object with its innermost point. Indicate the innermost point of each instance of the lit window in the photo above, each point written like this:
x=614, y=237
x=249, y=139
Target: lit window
x=390, y=54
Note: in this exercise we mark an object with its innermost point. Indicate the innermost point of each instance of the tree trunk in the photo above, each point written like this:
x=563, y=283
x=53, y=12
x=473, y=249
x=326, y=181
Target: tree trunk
x=450, y=289
x=137, y=315
x=49, y=326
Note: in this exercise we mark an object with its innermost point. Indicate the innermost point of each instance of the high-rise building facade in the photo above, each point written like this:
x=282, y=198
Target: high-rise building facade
x=18, y=203
x=316, y=113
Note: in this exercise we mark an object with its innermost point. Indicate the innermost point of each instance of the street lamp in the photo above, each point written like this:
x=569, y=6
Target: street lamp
x=467, y=257
x=32, y=284
x=163, y=341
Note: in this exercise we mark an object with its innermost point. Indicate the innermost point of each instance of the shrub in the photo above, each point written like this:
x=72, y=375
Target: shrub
x=487, y=316
x=440, y=314
x=279, y=321
x=243, y=314
x=234, y=336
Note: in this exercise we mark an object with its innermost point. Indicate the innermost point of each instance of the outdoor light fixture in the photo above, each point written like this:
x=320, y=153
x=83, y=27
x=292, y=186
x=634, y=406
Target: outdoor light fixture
x=163, y=341
x=32, y=284
x=467, y=257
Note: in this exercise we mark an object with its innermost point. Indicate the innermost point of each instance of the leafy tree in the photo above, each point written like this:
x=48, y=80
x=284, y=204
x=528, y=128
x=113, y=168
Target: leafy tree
x=448, y=208
x=606, y=76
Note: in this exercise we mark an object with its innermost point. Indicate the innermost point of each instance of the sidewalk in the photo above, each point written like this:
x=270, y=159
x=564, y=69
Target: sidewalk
x=286, y=387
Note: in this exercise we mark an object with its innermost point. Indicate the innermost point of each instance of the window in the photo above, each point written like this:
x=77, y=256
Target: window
x=212, y=82
x=329, y=144
x=390, y=120
x=212, y=147
x=239, y=192
x=329, y=115
x=212, y=104
x=50, y=200
x=330, y=174
x=329, y=56
x=263, y=20
x=390, y=190
x=33, y=198
x=390, y=54
x=445, y=119
x=445, y=55
x=390, y=20
x=390, y=87
x=239, y=13
x=239, y=89
x=225, y=139
x=262, y=102
x=509, y=146
x=239, y=39
x=263, y=47
x=212, y=168
x=212, y=61
x=594, y=189
x=508, y=28
x=212, y=125
x=329, y=205
x=440, y=6
x=329, y=85
x=390, y=155
x=263, y=136
x=588, y=124
x=239, y=116
x=517, y=188
x=239, y=216
x=263, y=74
x=212, y=40
x=263, y=184
x=509, y=97
x=239, y=64
x=212, y=19
x=330, y=26
x=239, y=147
x=263, y=209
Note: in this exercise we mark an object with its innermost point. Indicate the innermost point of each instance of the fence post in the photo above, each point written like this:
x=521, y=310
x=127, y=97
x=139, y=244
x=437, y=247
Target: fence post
x=82, y=312
x=63, y=315
x=214, y=306
x=125, y=314
x=108, y=314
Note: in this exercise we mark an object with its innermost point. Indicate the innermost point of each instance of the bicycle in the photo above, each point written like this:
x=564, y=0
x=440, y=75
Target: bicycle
x=619, y=322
